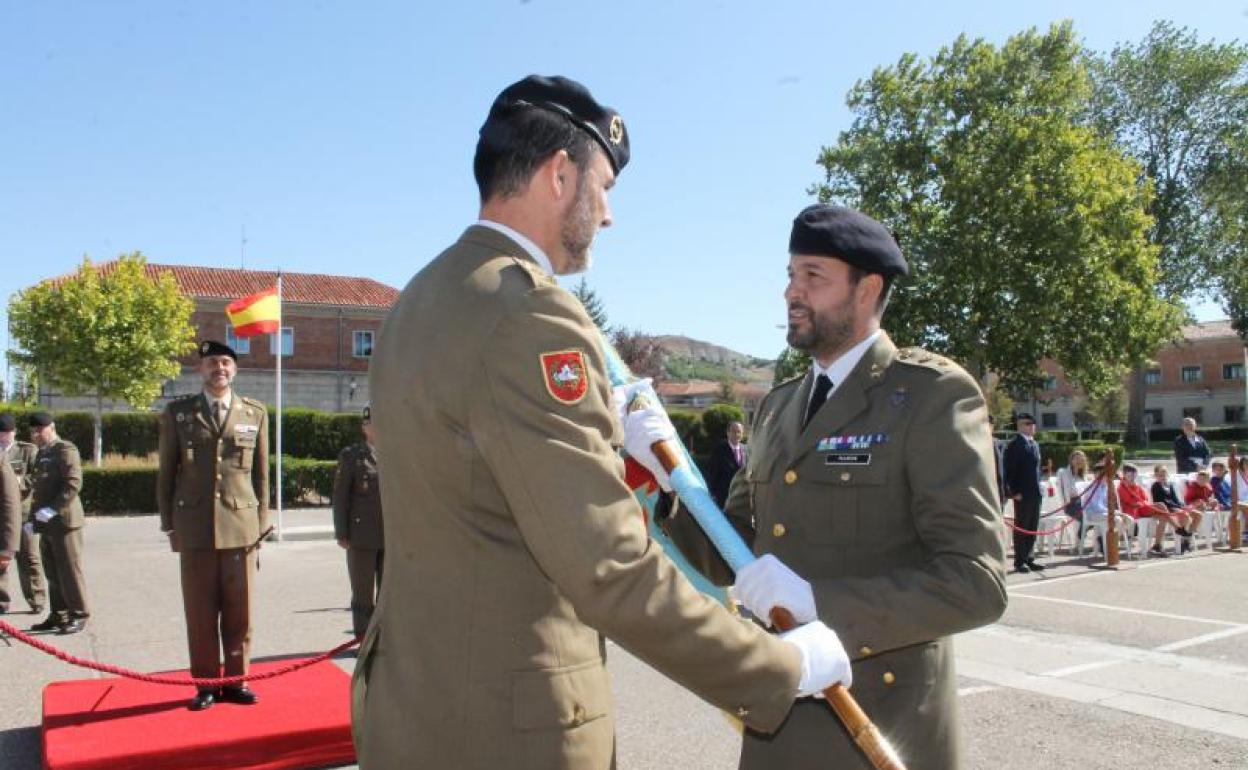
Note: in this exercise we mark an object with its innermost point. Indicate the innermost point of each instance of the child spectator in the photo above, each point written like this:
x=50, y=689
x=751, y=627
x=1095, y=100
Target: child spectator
x=1185, y=519
x=1221, y=485
x=1135, y=502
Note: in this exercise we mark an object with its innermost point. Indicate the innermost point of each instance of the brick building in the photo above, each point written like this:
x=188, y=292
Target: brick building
x=329, y=327
x=1200, y=376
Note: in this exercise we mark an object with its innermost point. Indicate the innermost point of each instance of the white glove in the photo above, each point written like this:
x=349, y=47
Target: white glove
x=44, y=515
x=29, y=528
x=824, y=662
x=767, y=582
x=643, y=426
x=622, y=396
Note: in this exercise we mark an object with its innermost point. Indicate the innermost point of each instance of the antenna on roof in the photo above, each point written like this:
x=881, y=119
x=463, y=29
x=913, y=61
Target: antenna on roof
x=242, y=249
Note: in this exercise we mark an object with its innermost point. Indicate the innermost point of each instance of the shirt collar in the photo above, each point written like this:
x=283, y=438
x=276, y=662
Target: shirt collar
x=532, y=248
x=225, y=400
x=838, y=371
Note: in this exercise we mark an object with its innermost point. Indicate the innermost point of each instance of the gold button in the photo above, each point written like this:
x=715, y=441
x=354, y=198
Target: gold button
x=778, y=530
x=218, y=477
x=889, y=678
x=845, y=476
x=790, y=477
x=864, y=650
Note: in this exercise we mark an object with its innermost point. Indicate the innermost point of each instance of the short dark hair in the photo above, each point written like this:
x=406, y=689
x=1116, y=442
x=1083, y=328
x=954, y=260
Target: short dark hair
x=856, y=274
x=510, y=149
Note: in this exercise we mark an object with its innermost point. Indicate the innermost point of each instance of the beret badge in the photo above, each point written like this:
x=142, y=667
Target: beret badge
x=617, y=129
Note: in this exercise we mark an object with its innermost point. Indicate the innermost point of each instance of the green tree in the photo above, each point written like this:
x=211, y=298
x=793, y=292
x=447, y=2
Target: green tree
x=1025, y=229
x=1174, y=103
x=116, y=335
x=593, y=305
x=641, y=352
x=790, y=364
x=715, y=421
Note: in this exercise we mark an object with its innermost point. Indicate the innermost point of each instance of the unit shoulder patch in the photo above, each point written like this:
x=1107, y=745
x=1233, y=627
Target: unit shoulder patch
x=565, y=375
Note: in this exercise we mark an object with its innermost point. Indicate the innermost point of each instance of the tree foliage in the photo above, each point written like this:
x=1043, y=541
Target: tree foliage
x=1025, y=229
x=790, y=364
x=113, y=336
x=593, y=305
x=641, y=352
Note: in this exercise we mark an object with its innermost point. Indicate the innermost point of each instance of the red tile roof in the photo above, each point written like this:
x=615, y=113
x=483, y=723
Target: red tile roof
x=302, y=288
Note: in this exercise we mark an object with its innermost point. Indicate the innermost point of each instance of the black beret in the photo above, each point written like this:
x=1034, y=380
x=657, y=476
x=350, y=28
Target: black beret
x=7, y=423
x=368, y=414
x=573, y=101
x=40, y=420
x=848, y=235
x=214, y=348
x=1024, y=417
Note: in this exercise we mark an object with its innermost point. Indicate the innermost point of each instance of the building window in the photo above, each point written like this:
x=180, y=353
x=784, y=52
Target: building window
x=241, y=345
x=1048, y=419
x=1152, y=377
x=1152, y=416
x=1232, y=371
x=1233, y=415
x=288, y=342
x=1191, y=374
x=1195, y=412
x=1050, y=383
x=362, y=344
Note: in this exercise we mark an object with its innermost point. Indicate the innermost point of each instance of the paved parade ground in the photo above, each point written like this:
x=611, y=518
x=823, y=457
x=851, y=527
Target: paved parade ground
x=1088, y=669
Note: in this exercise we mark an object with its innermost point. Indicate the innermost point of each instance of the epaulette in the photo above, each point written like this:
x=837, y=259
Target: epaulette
x=535, y=273
x=794, y=379
x=252, y=401
x=925, y=358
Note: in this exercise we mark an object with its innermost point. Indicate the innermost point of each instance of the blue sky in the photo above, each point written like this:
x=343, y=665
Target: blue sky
x=340, y=134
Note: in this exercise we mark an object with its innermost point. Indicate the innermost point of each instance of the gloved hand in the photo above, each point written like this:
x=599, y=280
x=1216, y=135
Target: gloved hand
x=44, y=515
x=767, y=582
x=824, y=662
x=29, y=528
x=622, y=396
x=644, y=424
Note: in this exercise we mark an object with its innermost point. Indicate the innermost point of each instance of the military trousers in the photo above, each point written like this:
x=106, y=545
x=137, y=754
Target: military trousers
x=364, y=568
x=30, y=571
x=61, y=549
x=216, y=598
x=5, y=597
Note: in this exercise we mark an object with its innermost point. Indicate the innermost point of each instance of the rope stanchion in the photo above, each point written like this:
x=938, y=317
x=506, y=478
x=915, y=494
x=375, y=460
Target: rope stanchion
x=1043, y=532
x=227, y=681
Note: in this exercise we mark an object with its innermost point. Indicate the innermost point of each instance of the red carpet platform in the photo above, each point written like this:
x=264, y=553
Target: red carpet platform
x=303, y=720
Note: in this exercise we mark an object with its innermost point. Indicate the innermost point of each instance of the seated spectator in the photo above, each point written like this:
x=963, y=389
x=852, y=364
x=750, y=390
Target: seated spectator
x=1221, y=485
x=1136, y=503
x=1096, y=511
x=1185, y=519
x=1068, y=479
x=1200, y=494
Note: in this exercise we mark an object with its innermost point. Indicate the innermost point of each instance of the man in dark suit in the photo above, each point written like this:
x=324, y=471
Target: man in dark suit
x=726, y=460
x=1191, y=453
x=1022, y=484
x=998, y=459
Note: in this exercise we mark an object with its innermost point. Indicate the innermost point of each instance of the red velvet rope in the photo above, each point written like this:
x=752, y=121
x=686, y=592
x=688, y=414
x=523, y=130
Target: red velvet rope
x=227, y=681
x=1084, y=496
x=1054, y=531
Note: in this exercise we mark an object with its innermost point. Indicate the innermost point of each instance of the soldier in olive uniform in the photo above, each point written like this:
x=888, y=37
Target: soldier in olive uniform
x=21, y=456
x=519, y=545
x=869, y=489
x=213, y=493
x=10, y=528
x=358, y=523
x=57, y=515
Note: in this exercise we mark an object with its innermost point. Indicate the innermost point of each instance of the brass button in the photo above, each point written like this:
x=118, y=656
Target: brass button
x=790, y=477
x=181, y=503
x=778, y=530
x=845, y=476
x=578, y=715
x=864, y=650
x=218, y=477
x=889, y=678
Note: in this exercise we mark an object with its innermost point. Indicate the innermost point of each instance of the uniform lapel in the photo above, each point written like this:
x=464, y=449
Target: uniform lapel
x=231, y=415
x=204, y=413
x=849, y=400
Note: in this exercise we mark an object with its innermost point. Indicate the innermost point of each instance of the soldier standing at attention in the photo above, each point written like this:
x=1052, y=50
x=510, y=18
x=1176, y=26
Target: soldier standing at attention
x=213, y=492
x=10, y=528
x=870, y=488
x=57, y=515
x=20, y=455
x=358, y=523
x=519, y=546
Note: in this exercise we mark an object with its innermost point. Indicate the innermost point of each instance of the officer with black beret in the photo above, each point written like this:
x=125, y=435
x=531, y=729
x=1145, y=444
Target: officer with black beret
x=20, y=455
x=358, y=523
x=870, y=497
x=56, y=514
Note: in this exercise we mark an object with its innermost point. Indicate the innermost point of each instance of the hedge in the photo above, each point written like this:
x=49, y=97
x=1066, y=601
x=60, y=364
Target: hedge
x=133, y=490
x=1228, y=433
x=715, y=421
x=1059, y=452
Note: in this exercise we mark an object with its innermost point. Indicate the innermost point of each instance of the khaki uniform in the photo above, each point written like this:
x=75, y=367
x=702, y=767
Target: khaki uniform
x=213, y=493
x=519, y=545
x=886, y=503
x=21, y=456
x=10, y=527
x=357, y=518
x=55, y=484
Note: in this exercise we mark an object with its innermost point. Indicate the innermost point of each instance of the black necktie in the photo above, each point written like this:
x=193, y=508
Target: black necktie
x=823, y=386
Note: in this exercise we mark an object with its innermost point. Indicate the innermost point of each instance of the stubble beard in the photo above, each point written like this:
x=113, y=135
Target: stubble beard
x=826, y=336
x=577, y=234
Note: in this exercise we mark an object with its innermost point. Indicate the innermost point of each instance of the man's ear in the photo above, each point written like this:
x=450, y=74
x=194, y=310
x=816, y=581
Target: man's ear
x=557, y=175
x=870, y=288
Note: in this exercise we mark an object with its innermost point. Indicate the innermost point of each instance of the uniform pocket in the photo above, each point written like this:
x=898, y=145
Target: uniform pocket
x=847, y=487
x=560, y=698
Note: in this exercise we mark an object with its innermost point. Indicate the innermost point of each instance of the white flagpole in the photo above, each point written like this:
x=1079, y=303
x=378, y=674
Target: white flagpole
x=280, y=345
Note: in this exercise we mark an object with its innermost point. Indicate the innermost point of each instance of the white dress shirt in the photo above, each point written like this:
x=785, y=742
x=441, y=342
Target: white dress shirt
x=532, y=248
x=839, y=369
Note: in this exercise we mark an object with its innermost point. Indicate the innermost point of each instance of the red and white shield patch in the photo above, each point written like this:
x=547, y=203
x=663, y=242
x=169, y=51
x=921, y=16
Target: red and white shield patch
x=565, y=376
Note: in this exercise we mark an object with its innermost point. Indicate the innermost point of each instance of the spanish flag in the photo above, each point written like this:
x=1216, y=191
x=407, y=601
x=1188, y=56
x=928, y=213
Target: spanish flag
x=260, y=313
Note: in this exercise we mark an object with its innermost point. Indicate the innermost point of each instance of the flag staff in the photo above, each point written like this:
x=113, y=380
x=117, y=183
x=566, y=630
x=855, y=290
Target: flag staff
x=281, y=344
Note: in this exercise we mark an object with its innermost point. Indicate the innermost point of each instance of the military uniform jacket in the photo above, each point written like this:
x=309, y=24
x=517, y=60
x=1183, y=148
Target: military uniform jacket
x=213, y=485
x=10, y=512
x=357, y=498
x=55, y=484
x=887, y=504
x=21, y=456
x=513, y=543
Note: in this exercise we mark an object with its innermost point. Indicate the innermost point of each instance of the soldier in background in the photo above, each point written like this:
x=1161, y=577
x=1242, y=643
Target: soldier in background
x=213, y=492
x=56, y=514
x=358, y=523
x=10, y=528
x=21, y=456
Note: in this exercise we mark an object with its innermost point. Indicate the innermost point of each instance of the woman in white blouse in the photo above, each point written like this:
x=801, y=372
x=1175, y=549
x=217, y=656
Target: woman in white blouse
x=1075, y=472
